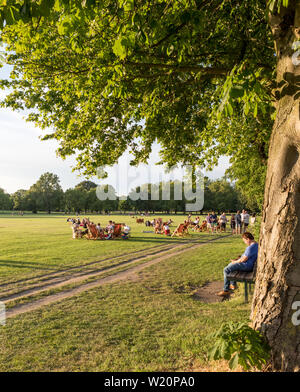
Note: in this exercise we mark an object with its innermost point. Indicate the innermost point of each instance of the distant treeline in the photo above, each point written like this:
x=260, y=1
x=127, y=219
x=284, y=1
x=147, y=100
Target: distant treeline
x=47, y=195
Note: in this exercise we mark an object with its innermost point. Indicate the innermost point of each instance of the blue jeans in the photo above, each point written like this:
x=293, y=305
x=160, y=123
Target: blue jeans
x=233, y=267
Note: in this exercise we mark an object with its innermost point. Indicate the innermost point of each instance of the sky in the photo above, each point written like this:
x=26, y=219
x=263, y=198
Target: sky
x=24, y=157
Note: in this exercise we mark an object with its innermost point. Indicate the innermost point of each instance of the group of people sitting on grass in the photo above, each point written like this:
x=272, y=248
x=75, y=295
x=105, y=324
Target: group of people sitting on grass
x=211, y=223
x=160, y=227
x=89, y=229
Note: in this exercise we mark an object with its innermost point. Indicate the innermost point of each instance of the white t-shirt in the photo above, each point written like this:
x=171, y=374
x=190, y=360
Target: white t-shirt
x=223, y=218
x=245, y=218
x=126, y=229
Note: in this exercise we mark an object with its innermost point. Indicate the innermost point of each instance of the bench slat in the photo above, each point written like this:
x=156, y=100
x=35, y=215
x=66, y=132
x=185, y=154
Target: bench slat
x=233, y=274
x=241, y=276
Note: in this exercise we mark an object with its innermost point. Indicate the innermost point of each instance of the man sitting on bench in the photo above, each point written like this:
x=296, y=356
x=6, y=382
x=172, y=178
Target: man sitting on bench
x=245, y=263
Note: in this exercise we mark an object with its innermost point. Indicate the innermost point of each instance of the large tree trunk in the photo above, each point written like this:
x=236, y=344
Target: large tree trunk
x=278, y=275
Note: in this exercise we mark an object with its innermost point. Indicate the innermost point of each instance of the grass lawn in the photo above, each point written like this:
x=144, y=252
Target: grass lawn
x=152, y=323
x=32, y=245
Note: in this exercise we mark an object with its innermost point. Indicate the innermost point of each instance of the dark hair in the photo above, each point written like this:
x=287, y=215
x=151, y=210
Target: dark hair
x=248, y=236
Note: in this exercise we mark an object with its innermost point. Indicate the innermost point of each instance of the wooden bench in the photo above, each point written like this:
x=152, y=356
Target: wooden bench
x=247, y=278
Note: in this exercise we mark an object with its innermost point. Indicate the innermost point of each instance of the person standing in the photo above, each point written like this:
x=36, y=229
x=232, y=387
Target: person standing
x=232, y=224
x=253, y=220
x=223, y=220
x=209, y=222
x=214, y=221
x=238, y=222
x=242, y=221
x=245, y=221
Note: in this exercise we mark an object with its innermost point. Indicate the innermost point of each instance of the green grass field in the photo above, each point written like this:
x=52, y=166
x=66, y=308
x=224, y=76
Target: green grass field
x=153, y=322
x=32, y=244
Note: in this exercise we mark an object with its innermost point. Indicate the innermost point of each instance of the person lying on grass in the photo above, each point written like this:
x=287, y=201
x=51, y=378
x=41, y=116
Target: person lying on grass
x=244, y=263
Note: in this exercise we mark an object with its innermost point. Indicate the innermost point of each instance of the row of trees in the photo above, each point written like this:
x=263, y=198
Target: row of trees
x=47, y=195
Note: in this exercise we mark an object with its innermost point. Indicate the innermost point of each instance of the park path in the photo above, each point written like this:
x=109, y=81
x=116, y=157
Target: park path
x=81, y=277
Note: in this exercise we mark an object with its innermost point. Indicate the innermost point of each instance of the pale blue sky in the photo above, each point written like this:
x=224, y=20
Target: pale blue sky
x=24, y=157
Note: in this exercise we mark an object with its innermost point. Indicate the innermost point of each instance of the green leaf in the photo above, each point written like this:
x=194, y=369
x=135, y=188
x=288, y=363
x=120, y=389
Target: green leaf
x=129, y=5
x=234, y=361
x=213, y=353
x=246, y=108
x=255, y=110
x=230, y=109
x=236, y=92
x=119, y=49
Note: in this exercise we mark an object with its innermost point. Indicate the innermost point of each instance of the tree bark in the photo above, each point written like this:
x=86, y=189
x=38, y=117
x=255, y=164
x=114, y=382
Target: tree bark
x=278, y=273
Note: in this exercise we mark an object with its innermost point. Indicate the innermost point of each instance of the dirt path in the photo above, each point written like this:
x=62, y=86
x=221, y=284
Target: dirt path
x=118, y=276
x=207, y=293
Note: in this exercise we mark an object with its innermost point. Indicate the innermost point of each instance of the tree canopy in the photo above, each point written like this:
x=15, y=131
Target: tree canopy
x=106, y=76
x=5, y=200
x=46, y=193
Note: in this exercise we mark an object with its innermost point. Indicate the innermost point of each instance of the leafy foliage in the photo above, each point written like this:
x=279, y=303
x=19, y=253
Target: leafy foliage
x=46, y=193
x=250, y=180
x=221, y=196
x=87, y=185
x=240, y=345
x=5, y=200
x=124, y=74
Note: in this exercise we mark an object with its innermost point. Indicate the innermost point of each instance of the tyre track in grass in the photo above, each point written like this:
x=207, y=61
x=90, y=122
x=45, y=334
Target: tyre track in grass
x=61, y=272
x=60, y=281
x=46, y=280
x=115, y=277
